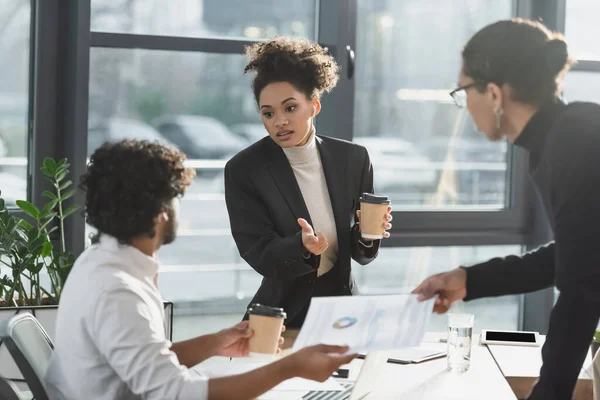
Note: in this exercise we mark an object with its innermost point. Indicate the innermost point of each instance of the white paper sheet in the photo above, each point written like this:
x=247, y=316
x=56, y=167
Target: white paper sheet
x=366, y=323
x=294, y=384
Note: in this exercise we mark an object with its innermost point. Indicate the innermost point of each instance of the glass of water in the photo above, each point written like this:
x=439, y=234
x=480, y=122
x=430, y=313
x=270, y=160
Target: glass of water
x=460, y=334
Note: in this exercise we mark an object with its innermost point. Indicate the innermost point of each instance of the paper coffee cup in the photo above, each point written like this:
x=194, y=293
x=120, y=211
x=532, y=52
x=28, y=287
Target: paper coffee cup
x=266, y=322
x=373, y=209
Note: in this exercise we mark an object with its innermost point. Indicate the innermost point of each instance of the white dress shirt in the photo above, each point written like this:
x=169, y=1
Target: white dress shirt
x=110, y=336
x=308, y=170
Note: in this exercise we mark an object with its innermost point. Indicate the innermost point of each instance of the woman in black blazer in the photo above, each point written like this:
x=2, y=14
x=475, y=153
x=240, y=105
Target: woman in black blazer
x=293, y=197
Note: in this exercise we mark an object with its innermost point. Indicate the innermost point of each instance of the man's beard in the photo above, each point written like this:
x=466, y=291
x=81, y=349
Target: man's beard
x=170, y=232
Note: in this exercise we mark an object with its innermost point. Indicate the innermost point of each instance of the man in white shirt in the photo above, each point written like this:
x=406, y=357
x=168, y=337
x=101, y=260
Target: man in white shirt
x=110, y=336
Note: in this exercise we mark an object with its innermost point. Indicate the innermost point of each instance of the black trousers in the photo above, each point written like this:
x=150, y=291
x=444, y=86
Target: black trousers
x=572, y=323
x=325, y=285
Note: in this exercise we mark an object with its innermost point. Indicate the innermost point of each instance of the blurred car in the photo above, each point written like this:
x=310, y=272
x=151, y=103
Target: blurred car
x=251, y=132
x=398, y=165
x=199, y=137
x=118, y=128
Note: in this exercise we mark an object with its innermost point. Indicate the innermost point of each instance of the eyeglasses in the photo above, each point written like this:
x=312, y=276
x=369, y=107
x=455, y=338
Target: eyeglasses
x=460, y=94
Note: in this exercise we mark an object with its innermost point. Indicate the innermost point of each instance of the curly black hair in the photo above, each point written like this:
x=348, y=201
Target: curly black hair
x=298, y=61
x=129, y=183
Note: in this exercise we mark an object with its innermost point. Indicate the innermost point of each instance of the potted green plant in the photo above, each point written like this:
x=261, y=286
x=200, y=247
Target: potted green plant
x=33, y=269
x=26, y=248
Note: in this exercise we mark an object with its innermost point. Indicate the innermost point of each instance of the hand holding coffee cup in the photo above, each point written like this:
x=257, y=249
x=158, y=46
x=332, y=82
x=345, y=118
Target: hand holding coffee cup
x=374, y=216
x=235, y=341
x=315, y=244
x=266, y=323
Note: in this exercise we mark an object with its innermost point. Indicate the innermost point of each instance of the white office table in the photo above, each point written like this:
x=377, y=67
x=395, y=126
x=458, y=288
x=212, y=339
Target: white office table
x=431, y=380
x=521, y=365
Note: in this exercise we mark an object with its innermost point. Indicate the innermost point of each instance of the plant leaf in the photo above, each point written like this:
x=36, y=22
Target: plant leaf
x=61, y=175
x=35, y=268
x=33, y=233
x=48, y=207
x=49, y=219
x=65, y=185
x=49, y=165
x=28, y=208
x=72, y=208
x=68, y=194
x=63, y=274
x=50, y=195
x=47, y=249
x=38, y=244
x=26, y=225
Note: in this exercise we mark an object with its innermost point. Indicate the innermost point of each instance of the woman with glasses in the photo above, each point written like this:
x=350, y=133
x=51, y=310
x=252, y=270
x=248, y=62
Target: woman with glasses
x=293, y=197
x=510, y=81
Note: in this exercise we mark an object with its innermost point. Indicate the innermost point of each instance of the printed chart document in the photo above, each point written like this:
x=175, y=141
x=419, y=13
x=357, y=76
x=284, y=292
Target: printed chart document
x=366, y=323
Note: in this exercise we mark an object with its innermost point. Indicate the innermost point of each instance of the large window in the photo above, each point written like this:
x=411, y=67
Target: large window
x=202, y=104
x=582, y=29
x=426, y=152
x=15, y=21
x=183, y=85
x=172, y=71
x=206, y=18
x=582, y=86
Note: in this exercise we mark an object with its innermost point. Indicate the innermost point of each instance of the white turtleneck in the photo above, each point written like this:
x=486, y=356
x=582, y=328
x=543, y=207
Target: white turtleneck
x=308, y=169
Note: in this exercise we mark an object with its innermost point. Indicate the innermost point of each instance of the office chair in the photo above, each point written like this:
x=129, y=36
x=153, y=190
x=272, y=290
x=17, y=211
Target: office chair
x=8, y=390
x=30, y=347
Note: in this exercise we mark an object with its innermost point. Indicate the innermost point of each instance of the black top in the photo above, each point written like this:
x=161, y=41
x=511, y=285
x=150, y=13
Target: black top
x=264, y=203
x=564, y=162
x=563, y=142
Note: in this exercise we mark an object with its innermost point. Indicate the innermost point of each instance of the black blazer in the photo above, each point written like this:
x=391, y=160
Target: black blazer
x=264, y=202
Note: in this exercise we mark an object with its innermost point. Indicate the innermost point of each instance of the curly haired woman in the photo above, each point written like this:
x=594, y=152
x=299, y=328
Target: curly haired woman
x=293, y=197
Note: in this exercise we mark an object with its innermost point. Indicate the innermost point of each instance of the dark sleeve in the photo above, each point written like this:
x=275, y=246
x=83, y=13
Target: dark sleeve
x=572, y=323
x=259, y=244
x=513, y=274
x=360, y=253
